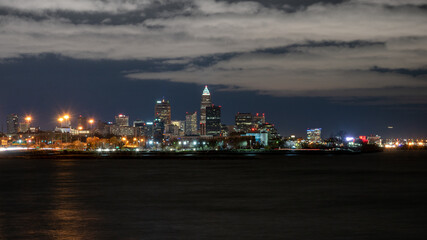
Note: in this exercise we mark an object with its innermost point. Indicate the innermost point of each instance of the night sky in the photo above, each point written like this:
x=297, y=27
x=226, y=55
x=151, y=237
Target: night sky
x=357, y=66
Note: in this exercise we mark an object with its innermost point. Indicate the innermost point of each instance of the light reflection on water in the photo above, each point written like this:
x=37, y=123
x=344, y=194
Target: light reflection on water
x=68, y=217
x=376, y=196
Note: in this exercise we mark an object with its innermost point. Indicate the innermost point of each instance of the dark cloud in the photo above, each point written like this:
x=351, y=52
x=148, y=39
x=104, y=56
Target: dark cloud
x=351, y=56
x=154, y=10
x=295, y=4
x=411, y=72
x=313, y=44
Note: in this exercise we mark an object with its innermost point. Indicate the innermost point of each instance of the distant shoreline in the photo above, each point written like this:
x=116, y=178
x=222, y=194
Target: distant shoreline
x=49, y=154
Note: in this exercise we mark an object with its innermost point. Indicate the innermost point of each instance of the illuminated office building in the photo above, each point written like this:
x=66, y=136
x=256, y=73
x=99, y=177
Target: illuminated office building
x=162, y=111
x=243, y=122
x=314, y=135
x=158, y=130
x=206, y=102
x=191, y=123
x=12, y=123
x=122, y=120
x=213, y=120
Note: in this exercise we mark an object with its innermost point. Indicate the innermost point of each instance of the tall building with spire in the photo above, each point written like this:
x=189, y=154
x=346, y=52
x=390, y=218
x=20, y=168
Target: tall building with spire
x=206, y=102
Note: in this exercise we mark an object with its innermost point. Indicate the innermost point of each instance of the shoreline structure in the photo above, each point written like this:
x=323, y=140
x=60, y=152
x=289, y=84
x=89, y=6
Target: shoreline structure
x=51, y=154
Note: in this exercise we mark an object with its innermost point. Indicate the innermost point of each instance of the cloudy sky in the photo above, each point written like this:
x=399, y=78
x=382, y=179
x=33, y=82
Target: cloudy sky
x=357, y=65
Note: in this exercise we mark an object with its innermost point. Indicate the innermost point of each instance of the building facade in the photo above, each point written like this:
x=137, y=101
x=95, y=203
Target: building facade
x=122, y=120
x=162, y=111
x=191, y=124
x=314, y=135
x=243, y=122
x=213, y=120
x=12, y=122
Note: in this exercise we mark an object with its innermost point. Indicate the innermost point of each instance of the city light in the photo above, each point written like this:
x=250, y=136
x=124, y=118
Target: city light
x=250, y=131
x=349, y=139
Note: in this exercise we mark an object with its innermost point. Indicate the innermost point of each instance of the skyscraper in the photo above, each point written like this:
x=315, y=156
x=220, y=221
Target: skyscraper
x=162, y=111
x=243, y=122
x=12, y=123
x=314, y=135
x=206, y=102
x=122, y=120
x=213, y=120
x=191, y=123
x=158, y=129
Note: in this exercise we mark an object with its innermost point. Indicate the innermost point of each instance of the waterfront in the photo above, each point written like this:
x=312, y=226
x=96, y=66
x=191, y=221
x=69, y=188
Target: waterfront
x=295, y=196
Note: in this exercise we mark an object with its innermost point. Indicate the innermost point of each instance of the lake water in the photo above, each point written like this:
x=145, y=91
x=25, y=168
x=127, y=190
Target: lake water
x=366, y=196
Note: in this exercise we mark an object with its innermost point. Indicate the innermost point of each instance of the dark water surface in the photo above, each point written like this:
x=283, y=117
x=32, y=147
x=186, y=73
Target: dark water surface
x=367, y=196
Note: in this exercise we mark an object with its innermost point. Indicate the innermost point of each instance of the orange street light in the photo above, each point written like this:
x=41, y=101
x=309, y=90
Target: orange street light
x=66, y=117
x=91, y=121
x=60, y=120
x=28, y=119
x=80, y=128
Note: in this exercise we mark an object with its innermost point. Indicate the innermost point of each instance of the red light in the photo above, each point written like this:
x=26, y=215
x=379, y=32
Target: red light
x=363, y=138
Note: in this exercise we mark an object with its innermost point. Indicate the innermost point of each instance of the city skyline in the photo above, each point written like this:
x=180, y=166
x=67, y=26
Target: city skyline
x=162, y=112
x=356, y=65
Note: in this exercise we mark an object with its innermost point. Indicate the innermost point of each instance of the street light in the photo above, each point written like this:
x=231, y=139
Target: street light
x=91, y=121
x=80, y=128
x=60, y=120
x=28, y=120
